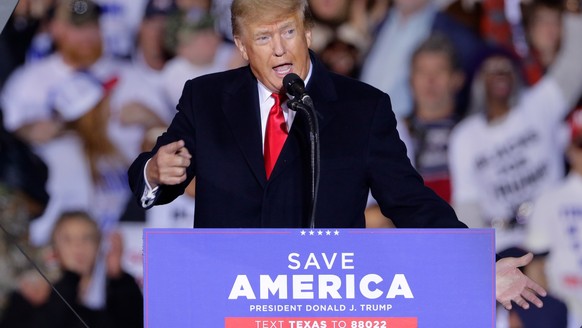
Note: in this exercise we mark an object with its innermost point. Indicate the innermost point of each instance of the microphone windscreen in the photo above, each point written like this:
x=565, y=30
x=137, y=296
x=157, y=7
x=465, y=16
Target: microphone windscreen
x=294, y=85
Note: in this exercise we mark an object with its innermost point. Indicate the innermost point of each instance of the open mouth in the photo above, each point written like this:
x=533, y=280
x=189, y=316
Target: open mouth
x=283, y=69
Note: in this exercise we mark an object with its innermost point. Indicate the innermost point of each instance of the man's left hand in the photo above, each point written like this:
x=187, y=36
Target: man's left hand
x=513, y=285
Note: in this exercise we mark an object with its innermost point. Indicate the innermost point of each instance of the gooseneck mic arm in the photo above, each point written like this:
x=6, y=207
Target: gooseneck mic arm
x=301, y=101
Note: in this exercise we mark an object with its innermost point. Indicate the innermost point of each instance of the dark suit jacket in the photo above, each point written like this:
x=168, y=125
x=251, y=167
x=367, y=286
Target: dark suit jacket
x=218, y=118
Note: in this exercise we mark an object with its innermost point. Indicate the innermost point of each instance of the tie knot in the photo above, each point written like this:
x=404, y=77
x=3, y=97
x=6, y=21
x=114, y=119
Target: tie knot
x=279, y=98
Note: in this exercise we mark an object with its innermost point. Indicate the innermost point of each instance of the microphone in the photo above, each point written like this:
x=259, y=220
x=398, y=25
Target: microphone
x=295, y=87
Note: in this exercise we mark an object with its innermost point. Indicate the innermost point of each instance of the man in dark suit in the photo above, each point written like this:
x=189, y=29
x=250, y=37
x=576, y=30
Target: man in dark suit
x=218, y=118
x=224, y=120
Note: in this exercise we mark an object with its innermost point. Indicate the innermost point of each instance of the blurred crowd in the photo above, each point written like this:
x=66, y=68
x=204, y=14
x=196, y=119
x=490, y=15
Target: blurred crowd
x=487, y=94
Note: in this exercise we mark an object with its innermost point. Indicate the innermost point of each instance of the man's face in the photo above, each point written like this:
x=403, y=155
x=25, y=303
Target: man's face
x=76, y=245
x=434, y=81
x=151, y=40
x=199, y=47
x=499, y=78
x=81, y=45
x=546, y=30
x=276, y=49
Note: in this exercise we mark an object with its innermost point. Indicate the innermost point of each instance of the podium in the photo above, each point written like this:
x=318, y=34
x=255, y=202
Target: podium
x=319, y=278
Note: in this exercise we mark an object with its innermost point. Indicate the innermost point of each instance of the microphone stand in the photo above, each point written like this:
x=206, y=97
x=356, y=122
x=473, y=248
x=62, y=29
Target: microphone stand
x=305, y=104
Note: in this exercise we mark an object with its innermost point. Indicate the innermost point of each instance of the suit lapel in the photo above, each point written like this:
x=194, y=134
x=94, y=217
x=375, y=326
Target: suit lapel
x=322, y=91
x=241, y=108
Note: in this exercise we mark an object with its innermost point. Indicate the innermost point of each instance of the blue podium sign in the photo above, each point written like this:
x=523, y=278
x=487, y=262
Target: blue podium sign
x=323, y=278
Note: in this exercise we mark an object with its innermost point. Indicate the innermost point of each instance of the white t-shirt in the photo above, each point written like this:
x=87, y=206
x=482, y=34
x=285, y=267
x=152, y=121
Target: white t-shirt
x=71, y=187
x=28, y=95
x=143, y=85
x=503, y=164
x=555, y=225
x=179, y=70
x=20, y=104
x=69, y=184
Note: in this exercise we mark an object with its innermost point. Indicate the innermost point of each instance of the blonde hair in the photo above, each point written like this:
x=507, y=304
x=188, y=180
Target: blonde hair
x=92, y=129
x=245, y=11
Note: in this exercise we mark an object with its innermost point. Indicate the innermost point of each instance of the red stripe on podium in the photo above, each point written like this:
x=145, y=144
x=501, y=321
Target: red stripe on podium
x=354, y=322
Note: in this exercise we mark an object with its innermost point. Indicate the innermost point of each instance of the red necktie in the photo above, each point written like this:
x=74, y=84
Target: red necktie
x=275, y=134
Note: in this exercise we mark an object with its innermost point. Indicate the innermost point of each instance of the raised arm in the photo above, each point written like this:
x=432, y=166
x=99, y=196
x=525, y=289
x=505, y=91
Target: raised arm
x=567, y=71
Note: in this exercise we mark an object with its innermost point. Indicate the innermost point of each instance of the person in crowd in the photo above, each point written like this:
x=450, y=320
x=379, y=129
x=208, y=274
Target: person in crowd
x=342, y=36
x=530, y=29
x=93, y=175
x=436, y=78
x=75, y=29
x=341, y=57
x=327, y=16
x=138, y=103
x=508, y=152
x=342, y=32
x=352, y=21
x=501, y=23
x=554, y=227
x=223, y=123
x=114, y=300
x=407, y=24
x=542, y=21
x=47, y=117
x=199, y=50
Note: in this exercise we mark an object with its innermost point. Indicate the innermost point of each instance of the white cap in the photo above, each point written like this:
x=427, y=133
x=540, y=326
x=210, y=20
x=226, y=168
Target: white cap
x=77, y=95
